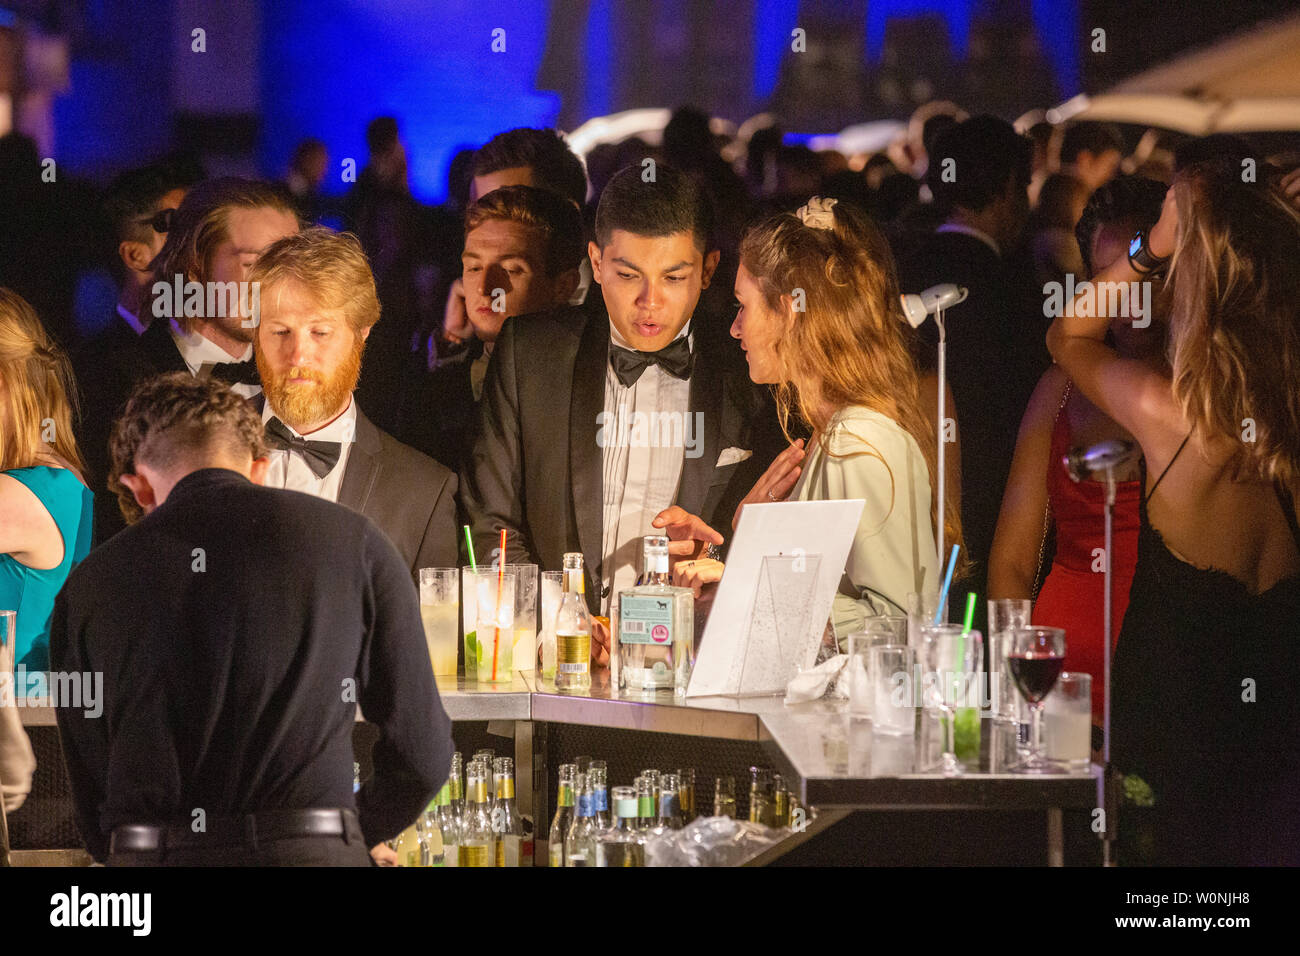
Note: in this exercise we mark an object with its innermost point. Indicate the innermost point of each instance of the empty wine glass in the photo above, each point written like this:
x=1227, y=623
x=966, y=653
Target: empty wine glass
x=1036, y=656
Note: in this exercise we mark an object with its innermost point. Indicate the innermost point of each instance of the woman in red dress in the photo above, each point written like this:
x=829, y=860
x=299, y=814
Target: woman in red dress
x=1041, y=497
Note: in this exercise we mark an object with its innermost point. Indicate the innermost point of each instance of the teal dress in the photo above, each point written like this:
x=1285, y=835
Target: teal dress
x=31, y=592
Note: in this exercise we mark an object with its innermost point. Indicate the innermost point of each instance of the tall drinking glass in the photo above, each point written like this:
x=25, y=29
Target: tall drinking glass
x=1036, y=656
x=1005, y=614
x=495, y=626
x=893, y=711
x=440, y=612
x=1067, y=721
x=951, y=685
x=921, y=610
x=525, y=615
x=552, y=587
x=875, y=630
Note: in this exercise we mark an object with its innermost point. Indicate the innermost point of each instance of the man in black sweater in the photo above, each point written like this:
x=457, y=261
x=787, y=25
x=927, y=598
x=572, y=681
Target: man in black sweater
x=237, y=629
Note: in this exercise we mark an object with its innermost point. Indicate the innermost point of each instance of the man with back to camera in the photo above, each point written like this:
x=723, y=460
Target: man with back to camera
x=555, y=460
x=237, y=629
x=318, y=305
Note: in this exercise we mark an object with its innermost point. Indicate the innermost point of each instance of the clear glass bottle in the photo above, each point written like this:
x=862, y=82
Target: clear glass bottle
x=760, y=796
x=488, y=759
x=780, y=802
x=578, y=845
x=724, y=798
x=430, y=835
x=643, y=786
x=563, y=814
x=573, y=630
x=670, y=814
x=656, y=627
x=598, y=780
x=686, y=793
x=507, y=825
x=456, y=781
x=622, y=844
x=477, y=846
x=449, y=826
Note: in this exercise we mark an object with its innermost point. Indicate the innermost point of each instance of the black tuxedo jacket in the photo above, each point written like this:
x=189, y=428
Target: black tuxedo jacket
x=535, y=468
x=408, y=495
x=108, y=367
x=237, y=629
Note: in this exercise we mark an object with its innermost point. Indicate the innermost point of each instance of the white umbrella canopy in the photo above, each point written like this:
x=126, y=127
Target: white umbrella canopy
x=1247, y=83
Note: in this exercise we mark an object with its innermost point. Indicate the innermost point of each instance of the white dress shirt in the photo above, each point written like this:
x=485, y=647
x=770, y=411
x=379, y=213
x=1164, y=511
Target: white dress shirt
x=289, y=470
x=642, y=466
x=198, y=351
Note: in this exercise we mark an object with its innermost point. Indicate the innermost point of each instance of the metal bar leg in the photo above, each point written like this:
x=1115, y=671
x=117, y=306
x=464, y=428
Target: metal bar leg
x=1055, y=837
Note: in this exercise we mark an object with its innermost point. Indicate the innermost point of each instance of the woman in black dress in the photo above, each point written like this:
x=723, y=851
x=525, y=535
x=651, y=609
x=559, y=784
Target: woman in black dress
x=1206, y=703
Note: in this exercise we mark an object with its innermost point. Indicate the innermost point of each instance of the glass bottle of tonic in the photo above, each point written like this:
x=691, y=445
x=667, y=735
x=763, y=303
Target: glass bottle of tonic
x=573, y=630
x=576, y=850
x=597, y=779
x=686, y=793
x=449, y=825
x=724, y=798
x=563, y=814
x=507, y=825
x=623, y=844
x=670, y=814
x=643, y=787
x=476, y=848
x=430, y=835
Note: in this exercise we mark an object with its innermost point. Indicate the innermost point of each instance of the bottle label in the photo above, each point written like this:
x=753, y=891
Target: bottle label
x=556, y=853
x=508, y=851
x=573, y=653
x=645, y=620
x=480, y=855
x=451, y=855
x=601, y=801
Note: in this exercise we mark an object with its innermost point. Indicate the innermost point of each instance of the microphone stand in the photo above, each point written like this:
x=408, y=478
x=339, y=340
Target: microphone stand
x=1108, y=796
x=941, y=453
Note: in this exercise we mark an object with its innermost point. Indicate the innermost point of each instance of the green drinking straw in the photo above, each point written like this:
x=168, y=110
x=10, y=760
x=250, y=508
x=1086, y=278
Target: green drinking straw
x=469, y=543
x=970, y=612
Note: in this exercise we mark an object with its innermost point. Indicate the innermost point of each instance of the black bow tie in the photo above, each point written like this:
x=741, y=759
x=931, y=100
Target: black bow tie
x=320, y=456
x=674, y=358
x=232, y=373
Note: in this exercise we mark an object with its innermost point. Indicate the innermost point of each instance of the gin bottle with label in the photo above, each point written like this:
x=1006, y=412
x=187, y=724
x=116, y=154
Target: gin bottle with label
x=623, y=844
x=563, y=814
x=656, y=627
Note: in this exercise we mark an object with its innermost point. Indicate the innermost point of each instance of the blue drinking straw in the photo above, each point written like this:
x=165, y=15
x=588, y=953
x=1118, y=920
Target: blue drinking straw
x=947, y=581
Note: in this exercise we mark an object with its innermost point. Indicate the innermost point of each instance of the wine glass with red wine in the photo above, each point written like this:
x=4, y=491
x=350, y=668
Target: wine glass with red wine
x=1036, y=656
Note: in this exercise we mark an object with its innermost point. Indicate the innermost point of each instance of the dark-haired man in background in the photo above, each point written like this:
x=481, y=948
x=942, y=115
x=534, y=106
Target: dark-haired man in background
x=559, y=460
x=237, y=629
x=523, y=247
x=979, y=174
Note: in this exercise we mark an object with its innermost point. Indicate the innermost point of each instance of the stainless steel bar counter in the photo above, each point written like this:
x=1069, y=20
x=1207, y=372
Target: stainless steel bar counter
x=831, y=762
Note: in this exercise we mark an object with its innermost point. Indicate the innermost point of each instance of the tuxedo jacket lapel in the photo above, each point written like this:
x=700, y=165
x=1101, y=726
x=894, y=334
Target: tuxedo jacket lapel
x=156, y=342
x=706, y=412
x=586, y=473
x=363, y=465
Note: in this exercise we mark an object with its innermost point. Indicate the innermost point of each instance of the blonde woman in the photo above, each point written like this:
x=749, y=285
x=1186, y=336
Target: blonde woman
x=44, y=504
x=1205, y=707
x=820, y=320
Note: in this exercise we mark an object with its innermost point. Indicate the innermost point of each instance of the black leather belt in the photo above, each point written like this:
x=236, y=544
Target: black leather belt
x=226, y=831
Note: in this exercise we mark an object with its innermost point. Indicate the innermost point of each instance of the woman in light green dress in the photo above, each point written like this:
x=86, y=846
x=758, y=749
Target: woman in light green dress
x=820, y=320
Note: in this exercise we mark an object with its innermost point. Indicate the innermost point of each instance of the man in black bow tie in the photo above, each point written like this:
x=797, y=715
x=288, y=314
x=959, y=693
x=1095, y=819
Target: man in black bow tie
x=318, y=305
x=213, y=238
x=592, y=427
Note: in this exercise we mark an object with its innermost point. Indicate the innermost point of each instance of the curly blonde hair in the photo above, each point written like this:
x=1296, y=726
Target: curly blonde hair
x=1234, y=333
x=847, y=346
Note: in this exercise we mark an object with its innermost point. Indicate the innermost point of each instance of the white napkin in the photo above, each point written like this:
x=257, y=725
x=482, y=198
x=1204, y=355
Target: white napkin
x=731, y=456
x=813, y=684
